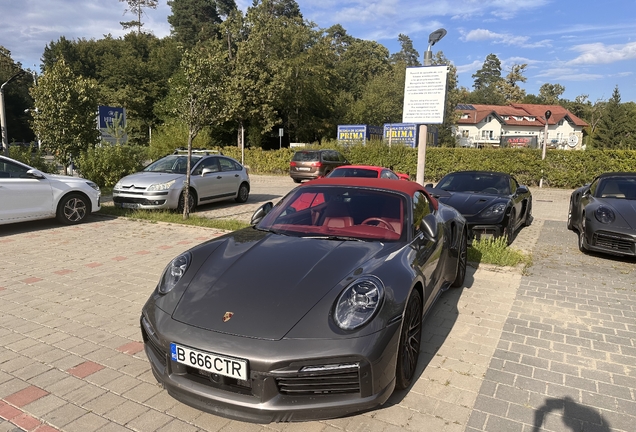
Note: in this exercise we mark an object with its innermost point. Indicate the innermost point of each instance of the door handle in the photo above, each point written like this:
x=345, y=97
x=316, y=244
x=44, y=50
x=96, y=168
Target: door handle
x=219, y=177
x=236, y=175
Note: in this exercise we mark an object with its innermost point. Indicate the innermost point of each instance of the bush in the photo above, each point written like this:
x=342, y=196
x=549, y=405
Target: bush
x=106, y=164
x=495, y=251
x=560, y=169
x=32, y=158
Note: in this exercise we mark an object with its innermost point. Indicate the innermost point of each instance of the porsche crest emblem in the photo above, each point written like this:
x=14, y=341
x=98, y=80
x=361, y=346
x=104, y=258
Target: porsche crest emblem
x=227, y=316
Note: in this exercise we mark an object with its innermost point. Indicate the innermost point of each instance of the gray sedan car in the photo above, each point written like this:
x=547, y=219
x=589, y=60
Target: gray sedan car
x=160, y=185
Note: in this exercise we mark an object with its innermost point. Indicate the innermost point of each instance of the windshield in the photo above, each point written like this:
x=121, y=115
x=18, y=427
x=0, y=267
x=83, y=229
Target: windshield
x=617, y=187
x=172, y=164
x=306, y=156
x=353, y=172
x=486, y=183
x=340, y=213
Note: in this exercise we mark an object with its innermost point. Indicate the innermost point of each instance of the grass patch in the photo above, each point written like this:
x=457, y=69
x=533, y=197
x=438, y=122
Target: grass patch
x=497, y=252
x=173, y=217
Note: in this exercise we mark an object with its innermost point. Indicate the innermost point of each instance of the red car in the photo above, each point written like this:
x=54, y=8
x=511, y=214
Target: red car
x=367, y=171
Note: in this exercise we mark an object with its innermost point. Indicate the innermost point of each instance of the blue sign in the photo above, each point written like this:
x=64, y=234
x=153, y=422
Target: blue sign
x=107, y=115
x=401, y=133
x=111, y=121
x=359, y=132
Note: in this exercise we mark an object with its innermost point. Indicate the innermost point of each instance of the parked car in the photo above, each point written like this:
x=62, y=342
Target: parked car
x=213, y=177
x=604, y=214
x=29, y=194
x=367, y=171
x=315, y=311
x=312, y=164
x=493, y=203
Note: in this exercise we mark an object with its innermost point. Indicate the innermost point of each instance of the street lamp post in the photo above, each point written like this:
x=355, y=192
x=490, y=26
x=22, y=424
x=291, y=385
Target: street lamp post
x=433, y=38
x=547, y=116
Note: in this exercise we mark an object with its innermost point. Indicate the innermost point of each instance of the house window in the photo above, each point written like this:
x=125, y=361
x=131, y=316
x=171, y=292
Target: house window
x=506, y=118
x=487, y=134
x=489, y=119
x=465, y=116
x=518, y=118
x=530, y=118
x=464, y=133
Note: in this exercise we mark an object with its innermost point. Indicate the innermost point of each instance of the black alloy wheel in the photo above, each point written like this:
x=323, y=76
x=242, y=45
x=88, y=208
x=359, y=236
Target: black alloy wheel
x=570, y=211
x=509, y=231
x=582, y=246
x=243, y=193
x=528, y=220
x=462, y=260
x=410, y=340
x=73, y=209
x=191, y=202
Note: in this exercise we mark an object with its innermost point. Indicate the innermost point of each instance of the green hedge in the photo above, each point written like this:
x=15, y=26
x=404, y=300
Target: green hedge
x=560, y=169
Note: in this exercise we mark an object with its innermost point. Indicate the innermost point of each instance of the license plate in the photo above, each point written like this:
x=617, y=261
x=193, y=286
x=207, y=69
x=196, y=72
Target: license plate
x=130, y=205
x=303, y=169
x=210, y=362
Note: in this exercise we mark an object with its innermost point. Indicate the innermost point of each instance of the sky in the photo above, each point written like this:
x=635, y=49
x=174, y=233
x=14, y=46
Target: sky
x=587, y=47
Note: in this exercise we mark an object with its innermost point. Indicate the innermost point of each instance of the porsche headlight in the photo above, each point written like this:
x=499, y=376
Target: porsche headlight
x=174, y=272
x=161, y=186
x=604, y=215
x=358, y=302
x=494, y=210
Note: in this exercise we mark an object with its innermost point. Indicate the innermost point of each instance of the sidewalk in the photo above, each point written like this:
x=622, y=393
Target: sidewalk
x=555, y=347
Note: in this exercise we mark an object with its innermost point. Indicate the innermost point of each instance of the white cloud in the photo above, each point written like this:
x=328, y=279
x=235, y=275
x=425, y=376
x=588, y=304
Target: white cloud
x=479, y=35
x=599, y=53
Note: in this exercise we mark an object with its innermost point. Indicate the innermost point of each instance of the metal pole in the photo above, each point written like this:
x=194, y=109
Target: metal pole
x=423, y=132
x=545, y=143
x=242, y=145
x=3, y=122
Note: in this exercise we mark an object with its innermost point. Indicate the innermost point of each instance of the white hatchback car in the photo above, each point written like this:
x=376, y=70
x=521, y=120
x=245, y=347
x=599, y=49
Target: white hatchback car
x=29, y=194
x=213, y=177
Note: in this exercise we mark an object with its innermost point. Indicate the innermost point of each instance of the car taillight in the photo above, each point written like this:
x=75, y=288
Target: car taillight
x=316, y=164
x=292, y=164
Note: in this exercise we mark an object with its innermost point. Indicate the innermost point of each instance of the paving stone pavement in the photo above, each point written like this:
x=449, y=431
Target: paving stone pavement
x=566, y=360
x=72, y=359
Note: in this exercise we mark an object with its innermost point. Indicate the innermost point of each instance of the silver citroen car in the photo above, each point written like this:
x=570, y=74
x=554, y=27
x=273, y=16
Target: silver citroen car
x=213, y=177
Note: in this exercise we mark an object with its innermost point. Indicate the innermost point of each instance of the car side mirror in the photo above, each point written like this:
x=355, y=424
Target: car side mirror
x=206, y=171
x=429, y=227
x=33, y=173
x=522, y=190
x=261, y=212
x=428, y=185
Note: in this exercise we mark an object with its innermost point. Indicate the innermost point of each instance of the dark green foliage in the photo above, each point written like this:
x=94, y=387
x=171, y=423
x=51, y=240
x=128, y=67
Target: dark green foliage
x=105, y=165
x=489, y=74
x=560, y=169
x=615, y=131
x=193, y=21
x=32, y=158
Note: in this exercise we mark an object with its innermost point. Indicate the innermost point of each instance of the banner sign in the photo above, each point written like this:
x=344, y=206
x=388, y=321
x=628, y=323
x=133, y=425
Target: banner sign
x=401, y=133
x=359, y=132
x=519, y=141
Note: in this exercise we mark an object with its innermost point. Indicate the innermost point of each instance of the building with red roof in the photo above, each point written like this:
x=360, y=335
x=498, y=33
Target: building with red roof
x=518, y=125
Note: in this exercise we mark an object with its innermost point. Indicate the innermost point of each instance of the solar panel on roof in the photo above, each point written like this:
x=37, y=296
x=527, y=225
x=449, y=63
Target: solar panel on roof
x=465, y=107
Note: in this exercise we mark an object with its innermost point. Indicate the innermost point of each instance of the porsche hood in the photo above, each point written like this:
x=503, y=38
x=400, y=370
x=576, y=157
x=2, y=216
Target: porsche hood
x=261, y=286
x=470, y=204
x=624, y=209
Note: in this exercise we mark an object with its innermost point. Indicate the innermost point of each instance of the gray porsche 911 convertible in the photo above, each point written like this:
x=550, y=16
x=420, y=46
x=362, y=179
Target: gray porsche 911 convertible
x=604, y=214
x=313, y=312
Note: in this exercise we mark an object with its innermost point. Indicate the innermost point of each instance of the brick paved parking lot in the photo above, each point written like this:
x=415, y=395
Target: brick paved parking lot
x=553, y=348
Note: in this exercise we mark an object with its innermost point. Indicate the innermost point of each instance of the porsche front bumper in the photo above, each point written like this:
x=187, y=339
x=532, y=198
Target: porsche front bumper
x=611, y=241
x=289, y=379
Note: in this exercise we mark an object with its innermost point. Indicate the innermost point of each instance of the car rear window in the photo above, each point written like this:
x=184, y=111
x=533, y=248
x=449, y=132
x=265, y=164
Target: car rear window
x=306, y=156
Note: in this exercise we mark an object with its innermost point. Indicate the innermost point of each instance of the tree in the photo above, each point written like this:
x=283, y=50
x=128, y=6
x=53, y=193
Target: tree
x=509, y=88
x=65, y=118
x=407, y=55
x=614, y=130
x=489, y=74
x=137, y=8
x=453, y=95
x=550, y=93
x=195, y=20
x=198, y=90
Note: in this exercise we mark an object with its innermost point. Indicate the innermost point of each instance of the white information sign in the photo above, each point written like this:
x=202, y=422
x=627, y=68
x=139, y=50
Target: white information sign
x=425, y=94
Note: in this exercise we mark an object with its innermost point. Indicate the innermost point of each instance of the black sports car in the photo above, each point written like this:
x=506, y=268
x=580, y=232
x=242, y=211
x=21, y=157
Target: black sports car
x=604, y=214
x=493, y=203
x=315, y=311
